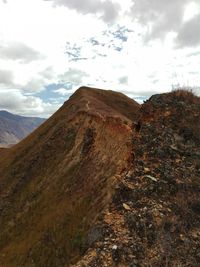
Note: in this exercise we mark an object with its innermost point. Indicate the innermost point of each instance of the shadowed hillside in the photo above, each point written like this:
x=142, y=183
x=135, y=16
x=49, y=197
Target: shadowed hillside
x=105, y=182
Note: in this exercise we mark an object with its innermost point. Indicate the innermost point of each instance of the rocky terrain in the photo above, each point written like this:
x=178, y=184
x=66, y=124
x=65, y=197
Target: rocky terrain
x=154, y=216
x=105, y=182
x=14, y=128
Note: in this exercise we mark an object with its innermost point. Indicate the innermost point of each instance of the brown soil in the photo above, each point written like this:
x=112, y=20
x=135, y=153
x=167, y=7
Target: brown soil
x=105, y=182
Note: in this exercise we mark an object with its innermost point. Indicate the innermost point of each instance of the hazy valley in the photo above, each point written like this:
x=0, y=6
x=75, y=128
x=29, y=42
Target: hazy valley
x=14, y=128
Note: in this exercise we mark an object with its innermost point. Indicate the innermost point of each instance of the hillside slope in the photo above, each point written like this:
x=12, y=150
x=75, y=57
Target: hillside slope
x=105, y=182
x=55, y=183
x=154, y=216
x=14, y=128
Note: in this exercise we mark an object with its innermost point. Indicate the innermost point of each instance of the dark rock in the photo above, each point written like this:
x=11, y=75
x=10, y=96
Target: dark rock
x=88, y=141
x=95, y=234
x=196, y=207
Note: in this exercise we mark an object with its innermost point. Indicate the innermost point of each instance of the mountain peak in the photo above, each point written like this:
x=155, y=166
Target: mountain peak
x=104, y=182
x=103, y=103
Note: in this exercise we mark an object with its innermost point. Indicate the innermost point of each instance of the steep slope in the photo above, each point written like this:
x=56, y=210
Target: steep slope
x=105, y=182
x=56, y=182
x=154, y=216
x=14, y=128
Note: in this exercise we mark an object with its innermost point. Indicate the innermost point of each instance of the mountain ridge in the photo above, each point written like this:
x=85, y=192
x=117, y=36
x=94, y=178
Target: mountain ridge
x=105, y=182
x=60, y=155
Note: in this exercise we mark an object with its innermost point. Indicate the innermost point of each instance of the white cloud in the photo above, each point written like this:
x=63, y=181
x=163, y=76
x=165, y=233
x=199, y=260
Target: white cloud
x=6, y=78
x=108, y=10
x=191, y=10
x=50, y=48
x=74, y=76
x=35, y=85
x=163, y=17
x=123, y=80
x=64, y=91
x=14, y=101
x=19, y=51
x=47, y=73
x=189, y=34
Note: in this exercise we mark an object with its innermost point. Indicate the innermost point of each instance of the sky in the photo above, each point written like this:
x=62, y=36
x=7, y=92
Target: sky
x=49, y=48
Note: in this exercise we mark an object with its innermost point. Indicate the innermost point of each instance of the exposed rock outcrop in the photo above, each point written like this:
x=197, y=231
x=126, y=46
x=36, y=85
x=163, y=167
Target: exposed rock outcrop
x=105, y=182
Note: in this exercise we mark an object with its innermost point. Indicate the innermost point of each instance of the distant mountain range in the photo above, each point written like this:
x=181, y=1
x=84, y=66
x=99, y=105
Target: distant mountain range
x=13, y=128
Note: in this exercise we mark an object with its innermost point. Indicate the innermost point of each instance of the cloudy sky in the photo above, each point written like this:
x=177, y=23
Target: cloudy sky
x=48, y=48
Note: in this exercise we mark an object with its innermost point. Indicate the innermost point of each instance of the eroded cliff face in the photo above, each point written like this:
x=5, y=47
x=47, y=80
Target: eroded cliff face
x=154, y=216
x=56, y=183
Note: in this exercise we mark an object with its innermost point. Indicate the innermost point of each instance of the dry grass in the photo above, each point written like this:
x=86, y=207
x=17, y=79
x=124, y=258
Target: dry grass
x=57, y=181
x=185, y=92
